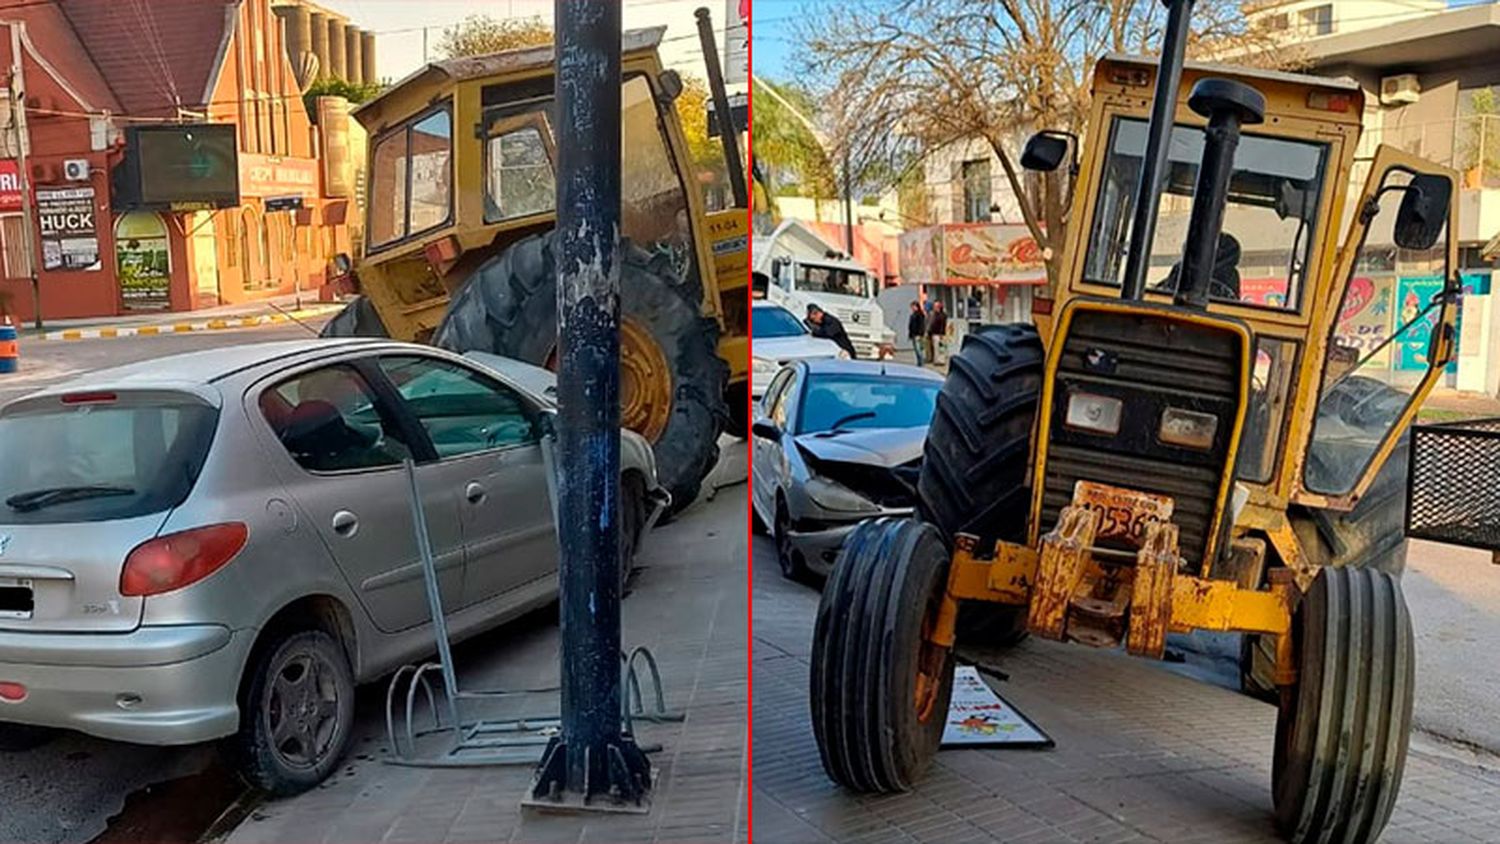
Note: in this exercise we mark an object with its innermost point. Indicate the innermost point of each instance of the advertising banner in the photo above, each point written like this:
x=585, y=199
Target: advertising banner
x=919, y=251
x=1365, y=321
x=990, y=254
x=143, y=262
x=65, y=225
x=1413, y=293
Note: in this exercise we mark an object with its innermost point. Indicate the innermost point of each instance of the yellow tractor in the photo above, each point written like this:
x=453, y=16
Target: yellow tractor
x=1191, y=437
x=457, y=253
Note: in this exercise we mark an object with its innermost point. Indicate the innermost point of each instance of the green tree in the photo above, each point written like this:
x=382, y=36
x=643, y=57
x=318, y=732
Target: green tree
x=477, y=35
x=789, y=154
x=328, y=86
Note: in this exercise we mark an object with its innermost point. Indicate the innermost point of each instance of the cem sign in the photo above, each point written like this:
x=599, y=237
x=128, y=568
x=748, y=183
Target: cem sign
x=65, y=223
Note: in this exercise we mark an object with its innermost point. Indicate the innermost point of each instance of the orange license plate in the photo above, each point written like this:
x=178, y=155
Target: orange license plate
x=1123, y=513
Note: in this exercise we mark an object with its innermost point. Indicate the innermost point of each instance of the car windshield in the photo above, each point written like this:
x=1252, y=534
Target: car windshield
x=101, y=459
x=1274, y=195
x=847, y=402
x=767, y=323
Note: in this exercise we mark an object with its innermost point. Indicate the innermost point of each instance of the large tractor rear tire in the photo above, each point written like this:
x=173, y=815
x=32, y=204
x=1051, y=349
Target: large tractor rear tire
x=1342, y=729
x=978, y=454
x=672, y=379
x=879, y=689
x=358, y=319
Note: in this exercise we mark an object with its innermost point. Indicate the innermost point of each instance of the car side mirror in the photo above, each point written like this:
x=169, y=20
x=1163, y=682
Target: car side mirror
x=1045, y=152
x=765, y=429
x=546, y=424
x=1423, y=212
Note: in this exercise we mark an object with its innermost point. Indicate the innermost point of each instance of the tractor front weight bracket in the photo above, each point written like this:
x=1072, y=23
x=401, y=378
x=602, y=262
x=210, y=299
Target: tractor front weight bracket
x=1105, y=597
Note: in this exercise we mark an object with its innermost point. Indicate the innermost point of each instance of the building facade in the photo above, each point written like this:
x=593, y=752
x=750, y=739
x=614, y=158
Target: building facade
x=92, y=69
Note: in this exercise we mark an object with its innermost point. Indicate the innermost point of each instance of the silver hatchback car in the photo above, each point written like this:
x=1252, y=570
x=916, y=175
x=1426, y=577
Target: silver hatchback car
x=219, y=545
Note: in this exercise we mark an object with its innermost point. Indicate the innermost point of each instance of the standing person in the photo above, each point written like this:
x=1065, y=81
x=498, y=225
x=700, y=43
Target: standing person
x=937, y=327
x=916, y=329
x=827, y=326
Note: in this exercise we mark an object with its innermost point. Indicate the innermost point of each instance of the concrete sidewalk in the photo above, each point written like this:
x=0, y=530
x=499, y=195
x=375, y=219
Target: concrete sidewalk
x=689, y=605
x=273, y=311
x=1142, y=755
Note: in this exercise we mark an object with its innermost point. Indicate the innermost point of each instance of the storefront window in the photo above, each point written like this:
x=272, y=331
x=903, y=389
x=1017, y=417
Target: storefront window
x=143, y=262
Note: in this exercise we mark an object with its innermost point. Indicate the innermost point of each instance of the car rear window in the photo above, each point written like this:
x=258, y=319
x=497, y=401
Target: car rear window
x=100, y=457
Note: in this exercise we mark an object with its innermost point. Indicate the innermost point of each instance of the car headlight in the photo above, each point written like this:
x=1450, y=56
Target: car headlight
x=1188, y=428
x=1094, y=413
x=837, y=497
x=765, y=367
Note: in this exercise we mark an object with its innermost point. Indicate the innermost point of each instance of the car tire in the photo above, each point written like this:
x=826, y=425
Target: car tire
x=358, y=319
x=285, y=752
x=977, y=456
x=632, y=525
x=792, y=566
x=19, y=738
x=509, y=307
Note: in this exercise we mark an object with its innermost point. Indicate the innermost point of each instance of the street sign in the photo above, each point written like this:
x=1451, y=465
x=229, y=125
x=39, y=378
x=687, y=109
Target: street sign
x=739, y=109
x=284, y=203
x=736, y=42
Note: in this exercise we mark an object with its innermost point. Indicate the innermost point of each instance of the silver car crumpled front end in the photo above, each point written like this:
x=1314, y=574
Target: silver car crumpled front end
x=852, y=477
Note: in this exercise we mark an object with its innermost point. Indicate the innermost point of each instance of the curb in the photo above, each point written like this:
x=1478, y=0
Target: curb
x=222, y=324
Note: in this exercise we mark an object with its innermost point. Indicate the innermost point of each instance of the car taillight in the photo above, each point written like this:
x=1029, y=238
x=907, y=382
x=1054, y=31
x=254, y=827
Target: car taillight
x=180, y=559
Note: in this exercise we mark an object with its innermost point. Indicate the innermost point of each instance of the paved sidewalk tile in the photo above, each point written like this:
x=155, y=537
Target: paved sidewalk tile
x=1142, y=754
x=689, y=606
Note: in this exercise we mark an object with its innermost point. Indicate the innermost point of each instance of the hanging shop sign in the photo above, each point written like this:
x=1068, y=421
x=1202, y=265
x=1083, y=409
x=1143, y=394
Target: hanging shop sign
x=66, y=228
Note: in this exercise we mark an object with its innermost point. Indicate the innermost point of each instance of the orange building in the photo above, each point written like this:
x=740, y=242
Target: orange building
x=94, y=68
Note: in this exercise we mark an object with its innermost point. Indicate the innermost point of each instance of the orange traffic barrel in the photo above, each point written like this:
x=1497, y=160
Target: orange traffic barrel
x=10, y=350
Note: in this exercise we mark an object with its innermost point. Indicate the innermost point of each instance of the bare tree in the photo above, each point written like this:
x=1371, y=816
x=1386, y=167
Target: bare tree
x=935, y=72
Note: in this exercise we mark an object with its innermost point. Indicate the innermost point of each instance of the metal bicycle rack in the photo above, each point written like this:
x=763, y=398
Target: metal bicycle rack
x=478, y=742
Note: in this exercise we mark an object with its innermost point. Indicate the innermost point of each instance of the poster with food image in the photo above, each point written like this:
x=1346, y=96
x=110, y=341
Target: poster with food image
x=1365, y=318
x=987, y=253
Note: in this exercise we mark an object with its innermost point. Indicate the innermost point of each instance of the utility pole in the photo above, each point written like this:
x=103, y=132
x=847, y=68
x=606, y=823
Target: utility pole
x=23, y=161
x=593, y=763
x=848, y=207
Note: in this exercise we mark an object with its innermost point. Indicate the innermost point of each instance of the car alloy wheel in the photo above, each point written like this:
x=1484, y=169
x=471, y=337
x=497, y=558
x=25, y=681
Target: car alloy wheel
x=303, y=710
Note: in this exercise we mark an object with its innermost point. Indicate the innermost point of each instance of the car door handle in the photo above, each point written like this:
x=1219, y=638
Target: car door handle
x=475, y=493
x=345, y=523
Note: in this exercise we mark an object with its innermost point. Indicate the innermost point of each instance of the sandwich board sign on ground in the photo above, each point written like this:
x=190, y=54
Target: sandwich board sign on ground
x=977, y=717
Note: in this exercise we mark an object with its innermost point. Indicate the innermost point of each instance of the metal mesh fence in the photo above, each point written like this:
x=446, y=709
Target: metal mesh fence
x=1455, y=483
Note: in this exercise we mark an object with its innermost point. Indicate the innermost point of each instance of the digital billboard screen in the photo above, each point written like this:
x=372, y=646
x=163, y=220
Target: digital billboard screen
x=181, y=167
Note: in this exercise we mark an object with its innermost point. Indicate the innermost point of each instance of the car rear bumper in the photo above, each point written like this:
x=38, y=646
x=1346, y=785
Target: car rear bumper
x=157, y=685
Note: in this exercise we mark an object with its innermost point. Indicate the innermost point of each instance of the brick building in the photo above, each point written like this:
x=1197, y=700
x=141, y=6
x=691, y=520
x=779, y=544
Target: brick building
x=93, y=68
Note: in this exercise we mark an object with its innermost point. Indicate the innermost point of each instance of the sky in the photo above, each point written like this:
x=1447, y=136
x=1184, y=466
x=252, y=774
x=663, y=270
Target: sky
x=399, y=25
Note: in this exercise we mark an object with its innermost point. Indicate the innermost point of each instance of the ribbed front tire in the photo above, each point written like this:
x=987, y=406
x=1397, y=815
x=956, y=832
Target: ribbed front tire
x=879, y=689
x=1342, y=729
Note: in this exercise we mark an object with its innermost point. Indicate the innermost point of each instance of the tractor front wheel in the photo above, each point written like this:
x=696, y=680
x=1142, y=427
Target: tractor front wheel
x=1342, y=728
x=879, y=688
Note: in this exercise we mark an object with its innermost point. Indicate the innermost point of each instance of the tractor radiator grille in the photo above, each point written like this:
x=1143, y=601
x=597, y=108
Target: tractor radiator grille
x=1148, y=363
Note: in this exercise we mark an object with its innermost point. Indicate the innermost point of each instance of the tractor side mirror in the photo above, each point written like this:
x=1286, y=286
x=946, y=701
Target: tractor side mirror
x=669, y=83
x=765, y=429
x=1423, y=212
x=1045, y=152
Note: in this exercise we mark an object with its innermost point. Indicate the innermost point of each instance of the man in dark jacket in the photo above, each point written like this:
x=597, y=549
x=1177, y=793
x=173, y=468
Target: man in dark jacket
x=937, y=326
x=827, y=326
x=916, y=329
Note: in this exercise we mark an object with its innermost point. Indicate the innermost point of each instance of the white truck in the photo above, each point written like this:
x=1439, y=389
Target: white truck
x=794, y=268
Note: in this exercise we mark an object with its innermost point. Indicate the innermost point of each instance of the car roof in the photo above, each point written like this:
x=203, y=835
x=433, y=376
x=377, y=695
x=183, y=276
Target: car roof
x=204, y=367
x=835, y=366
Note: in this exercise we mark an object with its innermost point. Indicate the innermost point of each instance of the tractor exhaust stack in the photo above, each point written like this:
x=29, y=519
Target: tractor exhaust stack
x=1227, y=105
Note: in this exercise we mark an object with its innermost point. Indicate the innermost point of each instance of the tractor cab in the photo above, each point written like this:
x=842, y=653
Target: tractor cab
x=462, y=191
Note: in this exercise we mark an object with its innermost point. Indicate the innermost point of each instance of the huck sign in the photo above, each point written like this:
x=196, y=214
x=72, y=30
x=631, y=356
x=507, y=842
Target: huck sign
x=65, y=223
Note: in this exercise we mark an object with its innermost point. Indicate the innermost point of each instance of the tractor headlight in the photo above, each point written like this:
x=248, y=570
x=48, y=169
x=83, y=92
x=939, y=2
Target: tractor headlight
x=1098, y=414
x=837, y=497
x=1188, y=428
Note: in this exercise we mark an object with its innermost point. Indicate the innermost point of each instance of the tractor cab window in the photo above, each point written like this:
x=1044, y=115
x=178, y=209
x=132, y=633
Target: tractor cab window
x=1269, y=222
x=411, y=179
x=1368, y=383
x=654, y=213
x=518, y=168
